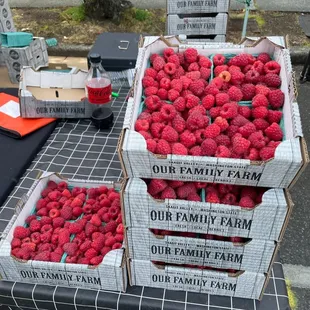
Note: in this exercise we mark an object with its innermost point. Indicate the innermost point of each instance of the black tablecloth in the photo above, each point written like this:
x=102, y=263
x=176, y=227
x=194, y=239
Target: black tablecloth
x=77, y=150
x=16, y=154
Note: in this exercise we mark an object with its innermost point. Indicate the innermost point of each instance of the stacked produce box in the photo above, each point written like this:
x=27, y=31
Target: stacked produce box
x=200, y=20
x=212, y=140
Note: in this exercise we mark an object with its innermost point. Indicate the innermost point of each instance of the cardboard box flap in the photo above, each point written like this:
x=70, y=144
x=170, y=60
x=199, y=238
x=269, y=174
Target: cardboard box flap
x=275, y=40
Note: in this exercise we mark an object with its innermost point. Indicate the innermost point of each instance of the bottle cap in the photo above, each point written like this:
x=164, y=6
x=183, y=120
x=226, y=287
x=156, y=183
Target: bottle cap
x=95, y=58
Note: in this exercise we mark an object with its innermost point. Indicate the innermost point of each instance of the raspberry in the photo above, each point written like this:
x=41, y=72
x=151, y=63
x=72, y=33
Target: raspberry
x=161, y=74
x=200, y=135
x=195, y=151
x=98, y=243
x=179, y=104
x=252, y=76
x=212, y=197
x=196, y=121
x=248, y=91
x=168, y=52
x=152, y=103
x=253, y=154
x=58, y=222
x=66, y=213
x=178, y=73
x=45, y=192
x=53, y=205
x=219, y=60
x=217, y=82
x=193, y=67
x=151, y=90
x=211, y=90
x=185, y=82
x=184, y=190
x=267, y=152
x=274, y=143
x=237, y=77
x=156, y=129
x=165, y=83
x=221, y=122
x=204, y=62
x=188, y=139
x=175, y=184
x=163, y=147
x=274, y=116
x=274, y=132
x=16, y=243
x=148, y=81
x=46, y=237
x=208, y=102
x=258, y=66
x=272, y=80
x=29, y=246
x=90, y=253
x=240, y=145
x=66, y=193
x=263, y=57
x=190, y=55
x=177, y=84
x=240, y=60
x=272, y=67
x=260, y=112
x=247, y=68
x=215, y=112
x=162, y=94
x=173, y=95
x=246, y=202
x=116, y=246
x=262, y=90
x=170, y=68
x=260, y=123
x=151, y=145
x=43, y=256
x=42, y=212
x=152, y=57
x=70, y=248
x=229, y=199
x=229, y=110
x=235, y=94
x=46, y=228
x=35, y=225
x=142, y=125
x=221, y=99
x=30, y=218
x=276, y=98
x=197, y=87
x=220, y=69
x=110, y=242
x=21, y=232
x=174, y=59
x=178, y=123
x=222, y=151
x=222, y=140
x=260, y=100
x=150, y=72
x=191, y=101
x=249, y=192
x=247, y=129
x=193, y=75
x=54, y=195
x=232, y=130
x=156, y=186
x=205, y=73
x=168, y=193
x=45, y=220
x=158, y=63
x=212, y=131
x=55, y=257
x=52, y=185
x=41, y=204
x=257, y=140
x=245, y=111
x=169, y=134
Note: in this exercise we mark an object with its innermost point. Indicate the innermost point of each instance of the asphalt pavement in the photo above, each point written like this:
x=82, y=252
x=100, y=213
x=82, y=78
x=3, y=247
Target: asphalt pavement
x=295, y=248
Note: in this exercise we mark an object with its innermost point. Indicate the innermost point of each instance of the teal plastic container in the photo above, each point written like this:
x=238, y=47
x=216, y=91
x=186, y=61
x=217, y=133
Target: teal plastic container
x=16, y=39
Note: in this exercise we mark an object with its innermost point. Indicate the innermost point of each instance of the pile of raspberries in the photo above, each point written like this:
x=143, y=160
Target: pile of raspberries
x=186, y=113
x=80, y=224
x=235, y=195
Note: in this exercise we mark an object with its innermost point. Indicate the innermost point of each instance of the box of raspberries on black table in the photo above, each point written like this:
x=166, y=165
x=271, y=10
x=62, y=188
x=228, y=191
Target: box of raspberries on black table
x=222, y=115
x=67, y=232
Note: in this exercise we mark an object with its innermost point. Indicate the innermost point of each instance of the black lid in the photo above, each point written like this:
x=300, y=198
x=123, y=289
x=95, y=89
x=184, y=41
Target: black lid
x=95, y=58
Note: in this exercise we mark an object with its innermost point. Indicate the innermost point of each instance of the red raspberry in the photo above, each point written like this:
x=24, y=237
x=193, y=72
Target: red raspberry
x=204, y=62
x=248, y=91
x=257, y=140
x=45, y=220
x=190, y=55
x=151, y=90
x=219, y=60
x=156, y=117
x=168, y=52
x=221, y=99
x=247, y=129
x=165, y=83
x=148, y=81
x=240, y=60
x=161, y=74
x=45, y=192
x=252, y=76
x=229, y=110
x=217, y=83
x=30, y=218
x=151, y=145
x=247, y=68
x=260, y=112
x=146, y=135
x=272, y=67
x=150, y=72
x=200, y=135
x=53, y=205
x=222, y=123
x=163, y=147
x=212, y=131
x=70, y=248
x=168, y=193
x=274, y=116
x=276, y=98
x=235, y=94
x=66, y=213
x=262, y=90
x=168, y=112
x=260, y=123
x=185, y=93
x=43, y=256
x=208, y=102
x=188, y=139
x=232, y=130
x=274, y=132
x=184, y=190
x=246, y=202
x=193, y=67
x=234, y=68
x=169, y=134
x=197, y=87
x=42, y=212
x=240, y=145
x=142, y=125
x=170, y=68
x=274, y=144
x=179, y=104
x=212, y=197
x=260, y=100
x=157, y=129
x=162, y=94
x=272, y=80
x=215, y=112
x=222, y=151
x=267, y=152
x=222, y=140
x=58, y=222
x=239, y=121
x=252, y=154
x=185, y=82
x=90, y=253
x=21, y=232
x=35, y=225
x=258, y=66
x=152, y=103
x=110, y=241
x=54, y=195
x=193, y=75
x=173, y=95
x=245, y=111
x=16, y=243
x=41, y=204
x=152, y=57
x=237, y=77
x=205, y=73
x=196, y=121
x=211, y=90
x=52, y=185
x=178, y=123
x=195, y=151
x=66, y=193
x=263, y=57
x=158, y=63
x=191, y=101
x=177, y=84
x=175, y=184
x=229, y=199
x=174, y=59
x=179, y=149
x=178, y=73
x=220, y=69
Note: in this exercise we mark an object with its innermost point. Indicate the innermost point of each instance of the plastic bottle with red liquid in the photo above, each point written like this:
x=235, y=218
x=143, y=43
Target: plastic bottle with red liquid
x=98, y=90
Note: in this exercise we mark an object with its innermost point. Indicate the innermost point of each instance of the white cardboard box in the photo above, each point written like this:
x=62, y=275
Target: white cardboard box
x=255, y=255
x=243, y=284
x=267, y=220
x=109, y=275
x=203, y=6
x=291, y=155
